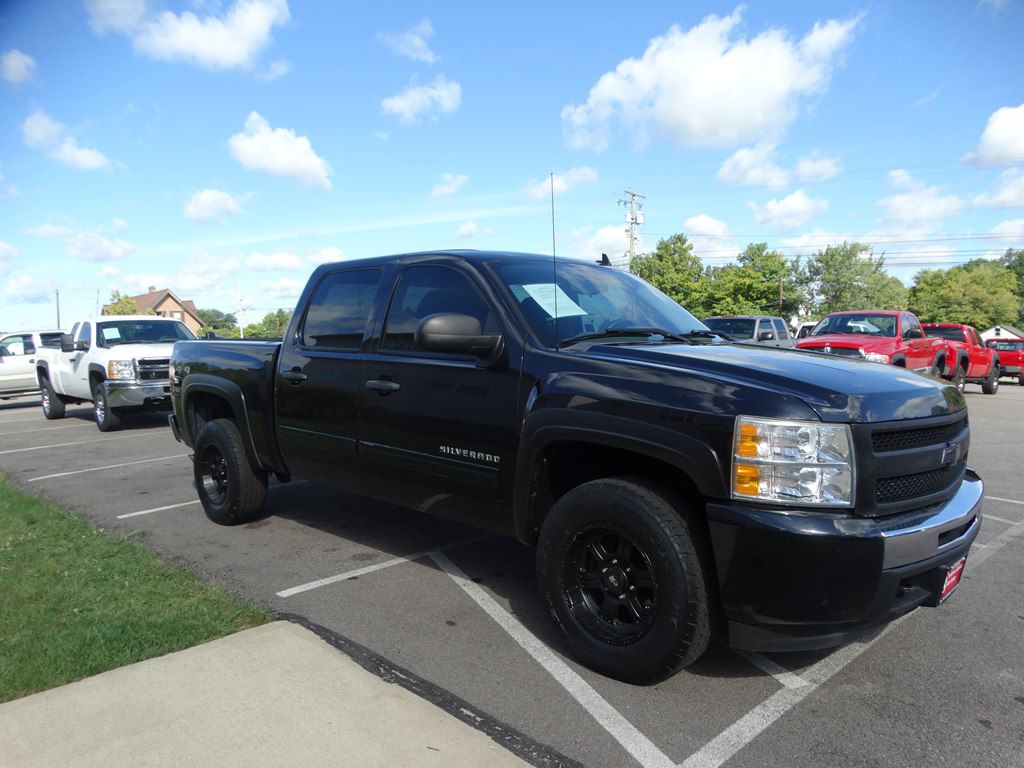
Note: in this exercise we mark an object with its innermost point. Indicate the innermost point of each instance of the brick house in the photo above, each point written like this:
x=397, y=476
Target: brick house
x=166, y=304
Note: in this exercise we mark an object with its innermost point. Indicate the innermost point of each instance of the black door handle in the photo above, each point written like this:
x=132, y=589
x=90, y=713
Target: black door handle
x=295, y=377
x=383, y=386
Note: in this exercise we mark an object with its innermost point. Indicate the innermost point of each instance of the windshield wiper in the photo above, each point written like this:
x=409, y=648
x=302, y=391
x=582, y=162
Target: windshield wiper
x=637, y=331
x=710, y=335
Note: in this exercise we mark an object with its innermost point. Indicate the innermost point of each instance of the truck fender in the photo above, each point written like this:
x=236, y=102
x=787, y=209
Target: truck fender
x=227, y=391
x=963, y=360
x=898, y=360
x=694, y=458
x=99, y=370
x=42, y=369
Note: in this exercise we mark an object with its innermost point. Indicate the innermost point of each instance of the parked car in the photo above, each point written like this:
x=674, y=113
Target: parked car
x=753, y=329
x=892, y=338
x=1011, y=357
x=119, y=363
x=971, y=362
x=805, y=329
x=18, y=360
x=676, y=486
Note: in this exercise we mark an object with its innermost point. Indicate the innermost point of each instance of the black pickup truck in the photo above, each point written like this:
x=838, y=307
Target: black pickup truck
x=677, y=487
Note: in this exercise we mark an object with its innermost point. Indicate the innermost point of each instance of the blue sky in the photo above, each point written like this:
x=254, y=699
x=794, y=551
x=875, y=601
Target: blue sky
x=207, y=145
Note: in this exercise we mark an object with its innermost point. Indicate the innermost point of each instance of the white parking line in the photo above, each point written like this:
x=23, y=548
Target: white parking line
x=780, y=673
x=108, y=466
x=158, y=509
x=47, y=429
x=1007, y=501
x=371, y=568
x=1000, y=519
x=734, y=738
x=643, y=750
x=65, y=445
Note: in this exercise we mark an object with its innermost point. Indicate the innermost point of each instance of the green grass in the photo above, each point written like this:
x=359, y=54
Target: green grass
x=75, y=602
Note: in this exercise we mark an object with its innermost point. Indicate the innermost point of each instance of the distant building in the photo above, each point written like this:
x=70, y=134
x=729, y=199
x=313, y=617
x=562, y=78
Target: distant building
x=166, y=304
x=1002, y=332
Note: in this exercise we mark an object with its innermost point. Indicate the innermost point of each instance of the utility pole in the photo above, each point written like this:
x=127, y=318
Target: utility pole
x=238, y=310
x=634, y=218
x=97, y=302
x=57, y=291
x=780, y=295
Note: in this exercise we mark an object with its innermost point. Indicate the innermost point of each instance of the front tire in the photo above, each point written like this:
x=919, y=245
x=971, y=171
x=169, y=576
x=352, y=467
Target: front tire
x=991, y=384
x=107, y=419
x=619, y=567
x=959, y=378
x=230, y=490
x=53, y=406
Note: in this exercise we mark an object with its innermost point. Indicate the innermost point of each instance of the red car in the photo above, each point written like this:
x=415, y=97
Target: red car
x=893, y=338
x=971, y=360
x=1011, y=357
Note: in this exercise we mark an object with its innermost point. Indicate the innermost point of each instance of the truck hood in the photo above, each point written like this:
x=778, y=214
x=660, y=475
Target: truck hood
x=865, y=341
x=837, y=389
x=138, y=351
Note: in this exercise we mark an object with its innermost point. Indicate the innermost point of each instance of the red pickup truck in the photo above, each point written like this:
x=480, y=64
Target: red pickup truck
x=971, y=360
x=1011, y=357
x=893, y=338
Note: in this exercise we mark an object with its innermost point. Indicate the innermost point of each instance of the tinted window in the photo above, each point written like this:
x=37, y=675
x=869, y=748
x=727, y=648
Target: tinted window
x=737, y=327
x=910, y=323
x=50, y=339
x=781, y=332
x=938, y=332
x=86, y=334
x=340, y=309
x=115, y=332
x=430, y=290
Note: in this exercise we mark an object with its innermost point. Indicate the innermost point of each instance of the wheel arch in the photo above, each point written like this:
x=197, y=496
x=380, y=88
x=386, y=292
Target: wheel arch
x=205, y=398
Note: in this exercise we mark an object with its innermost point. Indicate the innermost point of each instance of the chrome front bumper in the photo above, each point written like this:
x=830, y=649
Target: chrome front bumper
x=130, y=394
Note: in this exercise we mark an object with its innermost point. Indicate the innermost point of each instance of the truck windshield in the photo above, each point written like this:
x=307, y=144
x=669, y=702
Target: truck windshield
x=590, y=299
x=857, y=322
x=938, y=332
x=115, y=332
x=737, y=327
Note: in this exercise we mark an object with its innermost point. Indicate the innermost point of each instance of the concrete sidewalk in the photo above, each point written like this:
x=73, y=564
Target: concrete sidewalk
x=276, y=695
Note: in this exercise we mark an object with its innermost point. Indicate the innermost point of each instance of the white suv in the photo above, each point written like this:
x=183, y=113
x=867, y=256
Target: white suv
x=119, y=363
x=18, y=360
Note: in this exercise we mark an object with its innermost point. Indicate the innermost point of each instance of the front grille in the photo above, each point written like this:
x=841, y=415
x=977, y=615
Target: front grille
x=153, y=369
x=847, y=352
x=902, y=440
x=888, y=489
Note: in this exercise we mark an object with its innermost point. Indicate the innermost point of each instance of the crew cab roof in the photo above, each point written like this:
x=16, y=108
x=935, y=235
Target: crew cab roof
x=466, y=254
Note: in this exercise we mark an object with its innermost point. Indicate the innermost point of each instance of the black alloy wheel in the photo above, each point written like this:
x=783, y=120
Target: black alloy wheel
x=213, y=469
x=610, y=584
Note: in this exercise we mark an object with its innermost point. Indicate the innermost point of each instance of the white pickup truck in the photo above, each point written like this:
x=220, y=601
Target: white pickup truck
x=118, y=363
x=18, y=360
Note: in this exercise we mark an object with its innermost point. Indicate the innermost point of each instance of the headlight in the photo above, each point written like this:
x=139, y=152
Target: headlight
x=792, y=462
x=121, y=369
x=876, y=357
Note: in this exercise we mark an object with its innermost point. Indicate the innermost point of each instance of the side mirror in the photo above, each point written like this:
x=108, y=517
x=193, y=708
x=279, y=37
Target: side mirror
x=81, y=345
x=454, y=334
x=766, y=336
x=66, y=343
x=915, y=333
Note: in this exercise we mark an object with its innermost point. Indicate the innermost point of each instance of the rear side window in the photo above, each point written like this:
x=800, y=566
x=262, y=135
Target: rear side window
x=50, y=339
x=781, y=331
x=340, y=309
x=86, y=335
x=430, y=290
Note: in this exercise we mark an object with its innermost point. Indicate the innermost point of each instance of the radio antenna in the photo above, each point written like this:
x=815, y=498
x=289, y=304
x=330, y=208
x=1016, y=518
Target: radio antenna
x=554, y=267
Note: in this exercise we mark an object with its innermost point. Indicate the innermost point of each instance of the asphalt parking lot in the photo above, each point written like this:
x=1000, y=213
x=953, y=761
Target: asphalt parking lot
x=458, y=608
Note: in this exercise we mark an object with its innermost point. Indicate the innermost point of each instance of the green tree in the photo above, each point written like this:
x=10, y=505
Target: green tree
x=979, y=293
x=754, y=283
x=1013, y=260
x=675, y=271
x=882, y=291
x=120, y=304
x=272, y=326
x=842, y=277
x=218, y=322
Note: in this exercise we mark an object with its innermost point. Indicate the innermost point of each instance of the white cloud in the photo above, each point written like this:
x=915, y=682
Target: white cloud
x=211, y=205
x=702, y=224
x=791, y=211
x=412, y=44
x=709, y=87
x=233, y=39
x=204, y=271
x=814, y=241
x=7, y=189
x=918, y=205
x=1010, y=235
x=994, y=5
x=118, y=224
x=84, y=244
x=284, y=289
x=283, y=261
x=450, y=184
x=326, y=255
x=40, y=131
x=441, y=96
x=8, y=253
x=124, y=16
x=709, y=236
x=277, y=69
x=17, y=67
x=563, y=182
x=925, y=99
x=1008, y=192
x=24, y=287
x=611, y=239
x=756, y=165
x=280, y=151
x=466, y=229
x=1002, y=142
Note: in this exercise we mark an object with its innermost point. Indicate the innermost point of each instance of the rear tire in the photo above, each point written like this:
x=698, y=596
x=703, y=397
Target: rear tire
x=959, y=378
x=53, y=406
x=107, y=419
x=230, y=490
x=630, y=535
x=1020, y=380
x=991, y=385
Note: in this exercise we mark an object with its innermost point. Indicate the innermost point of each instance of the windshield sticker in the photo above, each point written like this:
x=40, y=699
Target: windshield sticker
x=552, y=297
x=111, y=334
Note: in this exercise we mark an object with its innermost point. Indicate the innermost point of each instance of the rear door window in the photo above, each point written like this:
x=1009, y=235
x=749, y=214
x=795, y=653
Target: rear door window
x=340, y=310
x=781, y=331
